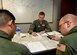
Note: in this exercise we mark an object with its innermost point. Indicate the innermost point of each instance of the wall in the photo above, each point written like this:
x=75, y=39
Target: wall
x=56, y=16
x=29, y=9
x=76, y=7
x=0, y=4
x=67, y=6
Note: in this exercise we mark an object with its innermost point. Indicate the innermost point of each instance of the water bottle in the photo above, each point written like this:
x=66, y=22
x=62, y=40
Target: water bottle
x=18, y=30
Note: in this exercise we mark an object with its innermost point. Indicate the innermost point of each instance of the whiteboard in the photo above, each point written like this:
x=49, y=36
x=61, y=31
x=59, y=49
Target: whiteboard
x=26, y=11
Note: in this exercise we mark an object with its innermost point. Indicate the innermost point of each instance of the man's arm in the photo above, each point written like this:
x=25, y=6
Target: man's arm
x=48, y=28
x=32, y=26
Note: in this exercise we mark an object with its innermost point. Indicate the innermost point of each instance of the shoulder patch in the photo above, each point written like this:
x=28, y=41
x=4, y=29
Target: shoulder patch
x=61, y=47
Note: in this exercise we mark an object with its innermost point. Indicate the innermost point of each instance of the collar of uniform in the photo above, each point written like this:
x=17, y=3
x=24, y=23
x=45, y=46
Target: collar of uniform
x=73, y=30
x=4, y=35
x=39, y=21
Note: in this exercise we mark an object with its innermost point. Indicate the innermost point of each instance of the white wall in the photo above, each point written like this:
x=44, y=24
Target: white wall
x=26, y=11
x=56, y=16
x=0, y=4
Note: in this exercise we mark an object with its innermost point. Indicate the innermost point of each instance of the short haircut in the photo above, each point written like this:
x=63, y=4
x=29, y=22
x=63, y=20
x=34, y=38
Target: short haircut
x=41, y=13
x=6, y=15
x=72, y=17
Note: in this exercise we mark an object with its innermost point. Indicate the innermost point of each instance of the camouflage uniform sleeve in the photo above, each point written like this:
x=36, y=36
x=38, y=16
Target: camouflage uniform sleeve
x=48, y=28
x=32, y=26
x=26, y=51
x=60, y=52
x=20, y=48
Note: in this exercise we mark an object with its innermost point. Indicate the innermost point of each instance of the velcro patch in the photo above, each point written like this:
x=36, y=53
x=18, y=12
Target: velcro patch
x=61, y=47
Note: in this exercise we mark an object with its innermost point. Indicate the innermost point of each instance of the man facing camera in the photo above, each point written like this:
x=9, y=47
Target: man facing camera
x=68, y=27
x=39, y=25
x=7, y=31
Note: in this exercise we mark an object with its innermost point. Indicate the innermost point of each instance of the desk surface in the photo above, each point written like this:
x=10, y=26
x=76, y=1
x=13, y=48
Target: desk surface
x=36, y=44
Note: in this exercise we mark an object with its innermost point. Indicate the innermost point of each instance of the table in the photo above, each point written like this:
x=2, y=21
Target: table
x=37, y=45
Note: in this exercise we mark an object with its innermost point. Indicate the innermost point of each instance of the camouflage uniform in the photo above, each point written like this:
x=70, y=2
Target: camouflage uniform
x=36, y=26
x=11, y=48
x=70, y=43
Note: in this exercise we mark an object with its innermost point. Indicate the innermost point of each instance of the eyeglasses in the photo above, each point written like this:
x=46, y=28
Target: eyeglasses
x=61, y=24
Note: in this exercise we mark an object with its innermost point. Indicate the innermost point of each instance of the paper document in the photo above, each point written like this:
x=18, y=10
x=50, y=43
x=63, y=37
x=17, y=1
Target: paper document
x=50, y=44
x=40, y=35
x=55, y=33
x=44, y=35
x=36, y=46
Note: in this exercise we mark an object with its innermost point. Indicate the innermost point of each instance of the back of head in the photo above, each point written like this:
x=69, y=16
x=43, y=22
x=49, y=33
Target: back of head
x=5, y=16
x=67, y=22
x=70, y=17
x=7, y=22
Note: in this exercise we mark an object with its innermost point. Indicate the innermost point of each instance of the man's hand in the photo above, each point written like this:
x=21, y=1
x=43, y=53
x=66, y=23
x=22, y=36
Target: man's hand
x=56, y=38
x=34, y=34
x=42, y=32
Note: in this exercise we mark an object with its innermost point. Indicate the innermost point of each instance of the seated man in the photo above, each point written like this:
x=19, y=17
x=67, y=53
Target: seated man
x=39, y=25
x=7, y=31
x=68, y=27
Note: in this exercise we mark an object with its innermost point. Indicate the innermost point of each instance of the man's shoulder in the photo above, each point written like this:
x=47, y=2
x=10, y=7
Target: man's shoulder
x=15, y=48
x=17, y=45
x=10, y=43
x=12, y=46
x=65, y=38
x=35, y=20
x=20, y=48
x=4, y=51
x=69, y=38
x=45, y=21
x=71, y=35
